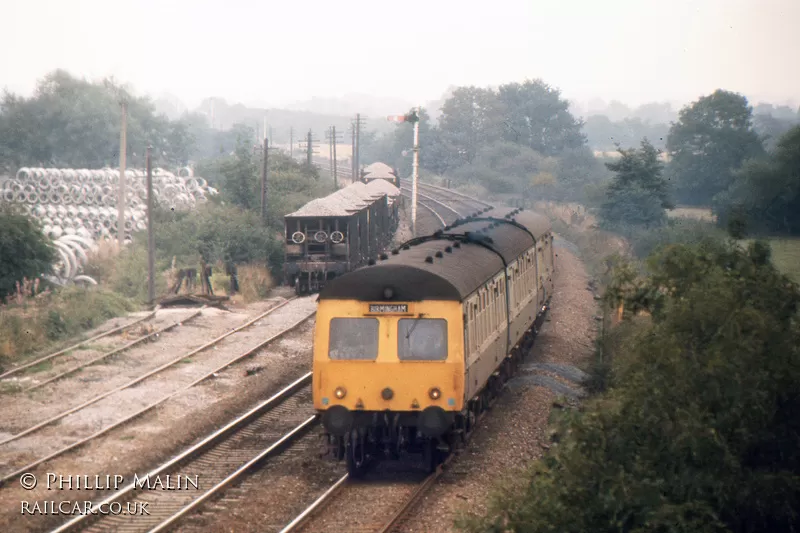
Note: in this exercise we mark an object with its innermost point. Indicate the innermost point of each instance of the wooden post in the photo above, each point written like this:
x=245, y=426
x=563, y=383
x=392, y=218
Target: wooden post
x=122, y=153
x=151, y=239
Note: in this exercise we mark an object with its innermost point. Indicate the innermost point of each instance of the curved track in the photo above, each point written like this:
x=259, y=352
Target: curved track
x=440, y=206
x=229, y=454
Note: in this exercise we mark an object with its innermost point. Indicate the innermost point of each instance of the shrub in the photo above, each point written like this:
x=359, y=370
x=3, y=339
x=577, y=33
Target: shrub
x=31, y=322
x=255, y=282
x=25, y=252
x=699, y=432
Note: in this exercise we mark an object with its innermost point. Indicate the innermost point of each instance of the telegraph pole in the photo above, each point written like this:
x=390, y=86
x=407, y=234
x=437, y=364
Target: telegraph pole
x=335, y=169
x=123, y=143
x=358, y=146
x=309, y=149
x=291, y=142
x=332, y=141
x=353, y=153
x=330, y=148
x=264, y=182
x=415, y=174
x=151, y=237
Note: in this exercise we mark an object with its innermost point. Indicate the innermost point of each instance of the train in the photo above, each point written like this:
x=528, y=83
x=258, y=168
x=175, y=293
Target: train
x=409, y=351
x=379, y=171
x=336, y=234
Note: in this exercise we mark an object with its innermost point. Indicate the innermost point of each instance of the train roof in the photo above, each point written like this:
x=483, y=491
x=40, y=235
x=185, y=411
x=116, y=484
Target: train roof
x=448, y=265
x=341, y=203
x=373, y=170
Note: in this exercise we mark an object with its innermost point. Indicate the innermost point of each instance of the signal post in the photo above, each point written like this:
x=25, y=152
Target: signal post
x=412, y=117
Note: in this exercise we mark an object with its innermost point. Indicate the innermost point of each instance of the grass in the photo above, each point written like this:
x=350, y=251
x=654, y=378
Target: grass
x=35, y=322
x=41, y=367
x=786, y=256
x=699, y=213
x=255, y=282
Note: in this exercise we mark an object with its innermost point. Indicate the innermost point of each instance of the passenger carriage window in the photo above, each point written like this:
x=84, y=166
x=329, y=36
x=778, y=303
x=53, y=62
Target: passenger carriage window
x=353, y=339
x=422, y=339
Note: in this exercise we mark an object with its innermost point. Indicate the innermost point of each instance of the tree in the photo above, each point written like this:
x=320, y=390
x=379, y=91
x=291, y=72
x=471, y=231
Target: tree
x=26, y=252
x=70, y=122
x=699, y=431
x=469, y=121
x=771, y=127
x=638, y=194
x=535, y=115
x=767, y=191
x=711, y=139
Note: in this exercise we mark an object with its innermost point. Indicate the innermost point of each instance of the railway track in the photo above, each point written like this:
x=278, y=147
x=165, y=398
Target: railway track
x=78, y=346
x=195, y=375
x=395, y=499
x=94, y=360
x=219, y=460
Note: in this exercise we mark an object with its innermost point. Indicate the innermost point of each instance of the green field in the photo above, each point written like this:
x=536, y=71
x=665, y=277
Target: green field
x=786, y=256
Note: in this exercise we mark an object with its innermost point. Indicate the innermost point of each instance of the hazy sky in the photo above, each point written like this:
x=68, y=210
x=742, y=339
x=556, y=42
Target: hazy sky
x=279, y=52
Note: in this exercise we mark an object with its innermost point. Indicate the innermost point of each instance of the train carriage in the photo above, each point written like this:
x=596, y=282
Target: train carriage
x=380, y=171
x=331, y=236
x=407, y=350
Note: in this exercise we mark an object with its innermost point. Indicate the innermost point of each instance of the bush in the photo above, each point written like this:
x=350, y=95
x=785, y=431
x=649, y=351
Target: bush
x=255, y=282
x=33, y=321
x=700, y=430
x=677, y=231
x=25, y=252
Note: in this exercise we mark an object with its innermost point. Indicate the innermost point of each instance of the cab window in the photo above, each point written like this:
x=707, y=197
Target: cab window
x=422, y=339
x=353, y=339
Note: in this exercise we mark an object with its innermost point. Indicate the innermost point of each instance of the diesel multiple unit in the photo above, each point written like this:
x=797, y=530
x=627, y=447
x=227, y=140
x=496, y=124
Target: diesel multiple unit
x=408, y=351
x=330, y=236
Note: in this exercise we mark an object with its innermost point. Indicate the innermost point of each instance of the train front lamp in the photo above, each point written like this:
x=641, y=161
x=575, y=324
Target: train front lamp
x=435, y=393
x=340, y=392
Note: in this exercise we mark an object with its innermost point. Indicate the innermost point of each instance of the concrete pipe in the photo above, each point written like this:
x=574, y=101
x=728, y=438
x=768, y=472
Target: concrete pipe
x=86, y=242
x=45, y=183
x=56, y=231
x=84, y=279
x=8, y=195
x=19, y=196
x=32, y=197
x=71, y=263
x=23, y=173
x=185, y=172
x=77, y=248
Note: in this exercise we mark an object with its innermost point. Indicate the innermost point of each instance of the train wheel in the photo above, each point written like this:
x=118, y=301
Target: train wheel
x=339, y=448
x=356, y=458
x=431, y=455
